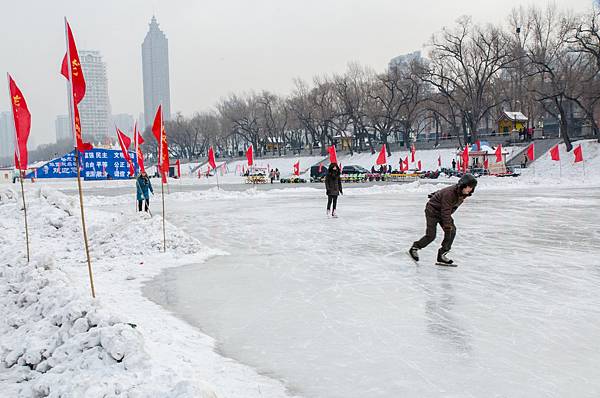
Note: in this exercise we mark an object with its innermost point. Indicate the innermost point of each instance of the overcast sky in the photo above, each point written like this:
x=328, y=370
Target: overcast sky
x=217, y=46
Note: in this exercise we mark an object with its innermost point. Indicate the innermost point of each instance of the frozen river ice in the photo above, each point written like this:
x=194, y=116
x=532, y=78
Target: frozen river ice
x=335, y=308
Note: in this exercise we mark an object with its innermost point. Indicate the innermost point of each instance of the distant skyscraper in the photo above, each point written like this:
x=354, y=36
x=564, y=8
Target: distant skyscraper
x=63, y=128
x=124, y=122
x=7, y=135
x=155, y=67
x=403, y=61
x=95, y=107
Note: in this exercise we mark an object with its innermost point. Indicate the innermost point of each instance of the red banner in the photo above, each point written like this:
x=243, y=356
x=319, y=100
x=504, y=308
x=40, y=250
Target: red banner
x=158, y=129
x=139, y=140
x=499, y=154
x=211, y=158
x=578, y=152
x=124, y=143
x=250, y=156
x=297, y=168
x=22, y=119
x=531, y=152
x=382, y=158
x=332, y=154
x=554, y=153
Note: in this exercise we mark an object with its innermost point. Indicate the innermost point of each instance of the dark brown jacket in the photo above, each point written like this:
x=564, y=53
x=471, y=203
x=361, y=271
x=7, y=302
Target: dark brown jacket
x=443, y=203
x=333, y=184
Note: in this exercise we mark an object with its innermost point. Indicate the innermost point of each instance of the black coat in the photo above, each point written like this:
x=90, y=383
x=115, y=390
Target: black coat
x=333, y=184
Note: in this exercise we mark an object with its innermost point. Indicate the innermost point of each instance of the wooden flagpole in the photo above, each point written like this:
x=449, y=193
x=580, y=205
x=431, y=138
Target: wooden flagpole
x=77, y=161
x=19, y=168
x=162, y=180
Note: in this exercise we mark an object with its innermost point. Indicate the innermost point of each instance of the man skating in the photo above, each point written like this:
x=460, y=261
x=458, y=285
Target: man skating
x=439, y=210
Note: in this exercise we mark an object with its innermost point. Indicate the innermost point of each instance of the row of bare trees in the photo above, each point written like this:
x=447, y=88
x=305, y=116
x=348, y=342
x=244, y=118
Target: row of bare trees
x=544, y=62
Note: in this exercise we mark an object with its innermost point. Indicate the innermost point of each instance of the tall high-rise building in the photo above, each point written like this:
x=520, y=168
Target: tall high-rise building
x=62, y=127
x=7, y=135
x=124, y=122
x=155, y=67
x=95, y=107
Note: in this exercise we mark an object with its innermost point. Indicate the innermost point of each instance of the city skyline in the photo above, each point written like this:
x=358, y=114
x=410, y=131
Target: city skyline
x=155, y=71
x=214, y=51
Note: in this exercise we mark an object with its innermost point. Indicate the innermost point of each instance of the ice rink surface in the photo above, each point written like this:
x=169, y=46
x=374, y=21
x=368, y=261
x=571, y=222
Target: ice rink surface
x=336, y=308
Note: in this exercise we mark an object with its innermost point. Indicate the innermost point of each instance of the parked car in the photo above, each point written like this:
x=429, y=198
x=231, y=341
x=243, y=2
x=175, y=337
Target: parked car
x=354, y=169
x=318, y=173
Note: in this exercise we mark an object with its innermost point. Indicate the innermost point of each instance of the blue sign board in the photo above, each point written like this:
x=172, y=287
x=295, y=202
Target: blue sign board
x=96, y=164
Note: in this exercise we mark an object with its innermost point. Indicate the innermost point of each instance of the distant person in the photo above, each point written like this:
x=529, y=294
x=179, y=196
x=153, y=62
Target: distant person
x=453, y=164
x=390, y=169
x=333, y=187
x=272, y=175
x=144, y=187
x=524, y=162
x=277, y=174
x=442, y=204
x=372, y=169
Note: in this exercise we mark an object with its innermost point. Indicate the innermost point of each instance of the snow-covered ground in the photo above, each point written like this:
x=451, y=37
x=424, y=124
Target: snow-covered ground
x=262, y=296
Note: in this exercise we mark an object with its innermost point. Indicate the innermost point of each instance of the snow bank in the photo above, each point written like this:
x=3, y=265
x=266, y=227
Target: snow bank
x=56, y=340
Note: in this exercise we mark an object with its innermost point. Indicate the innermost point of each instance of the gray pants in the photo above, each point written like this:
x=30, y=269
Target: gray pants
x=432, y=221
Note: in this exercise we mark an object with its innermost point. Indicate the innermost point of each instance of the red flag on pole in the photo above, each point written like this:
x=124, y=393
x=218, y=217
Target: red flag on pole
x=531, y=152
x=139, y=140
x=211, y=158
x=158, y=129
x=297, y=168
x=439, y=160
x=578, y=152
x=413, y=150
x=72, y=71
x=250, y=156
x=124, y=143
x=401, y=166
x=178, y=165
x=22, y=119
x=478, y=145
x=465, y=158
x=486, y=163
x=499, y=154
x=419, y=165
x=406, y=163
x=554, y=153
x=332, y=154
x=382, y=158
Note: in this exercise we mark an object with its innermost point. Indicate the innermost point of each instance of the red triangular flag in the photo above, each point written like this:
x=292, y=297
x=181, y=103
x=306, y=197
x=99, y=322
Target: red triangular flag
x=478, y=145
x=250, y=156
x=382, y=159
x=406, y=163
x=332, y=154
x=419, y=165
x=178, y=165
x=578, y=152
x=297, y=168
x=138, y=150
x=401, y=166
x=531, y=152
x=124, y=143
x=211, y=158
x=158, y=129
x=499, y=154
x=413, y=150
x=22, y=119
x=76, y=72
x=554, y=153
x=465, y=158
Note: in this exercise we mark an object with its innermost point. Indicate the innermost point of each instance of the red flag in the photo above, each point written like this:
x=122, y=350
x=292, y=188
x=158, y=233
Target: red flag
x=531, y=152
x=382, y=159
x=139, y=140
x=578, y=152
x=499, y=154
x=554, y=154
x=158, y=129
x=486, y=163
x=211, y=158
x=413, y=150
x=124, y=143
x=419, y=165
x=178, y=164
x=74, y=74
x=478, y=145
x=320, y=167
x=401, y=166
x=439, y=160
x=332, y=154
x=406, y=163
x=22, y=119
x=250, y=156
x=297, y=168
x=465, y=158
